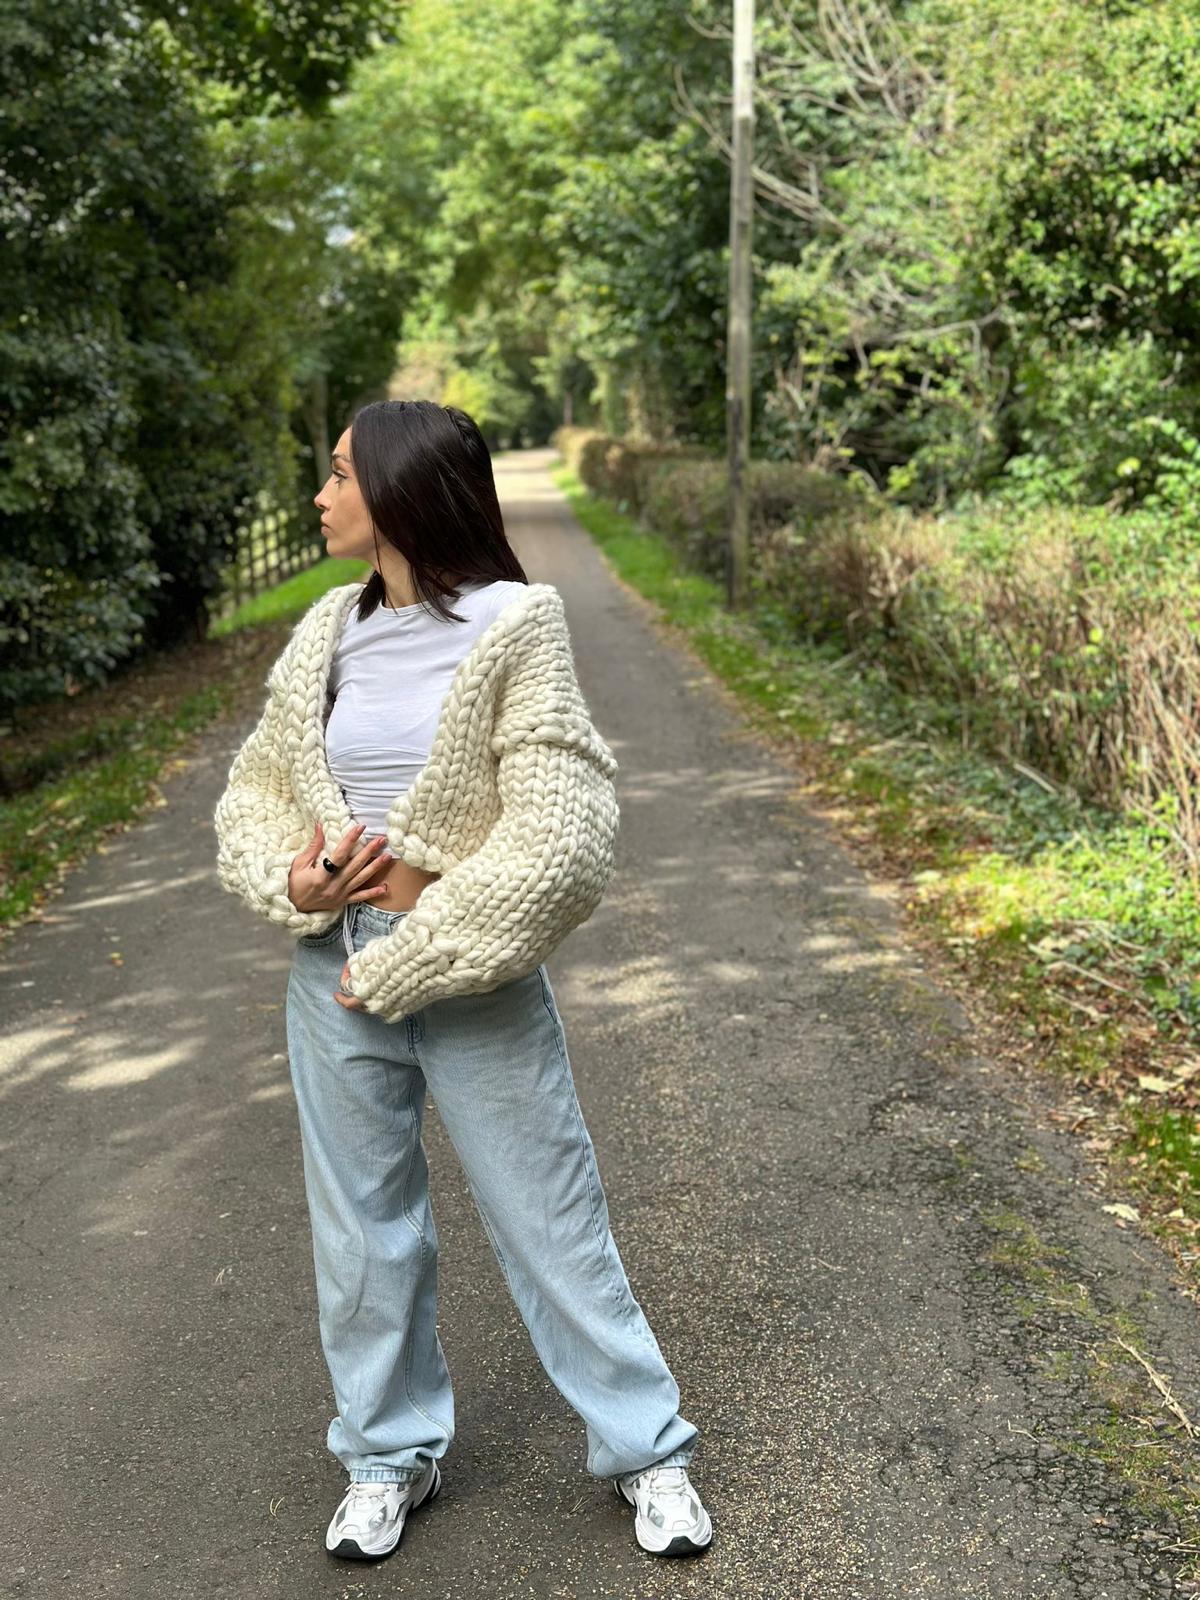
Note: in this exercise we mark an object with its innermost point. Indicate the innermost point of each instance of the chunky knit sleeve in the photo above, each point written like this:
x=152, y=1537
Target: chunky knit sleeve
x=260, y=828
x=541, y=870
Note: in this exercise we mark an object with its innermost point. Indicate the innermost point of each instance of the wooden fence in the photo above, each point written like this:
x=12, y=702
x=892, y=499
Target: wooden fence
x=273, y=547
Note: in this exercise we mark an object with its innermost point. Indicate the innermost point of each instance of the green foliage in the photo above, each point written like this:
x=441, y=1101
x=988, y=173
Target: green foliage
x=276, y=54
x=88, y=136
x=991, y=280
x=1091, y=241
x=1171, y=1141
x=145, y=394
x=975, y=280
x=563, y=226
x=881, y=354
x=1095, y=225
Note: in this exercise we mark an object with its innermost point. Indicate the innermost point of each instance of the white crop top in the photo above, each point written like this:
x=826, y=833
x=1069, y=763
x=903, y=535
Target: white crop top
x=389, y=678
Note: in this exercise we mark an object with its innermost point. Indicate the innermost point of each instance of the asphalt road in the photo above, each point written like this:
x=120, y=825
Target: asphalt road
x=804, y=1158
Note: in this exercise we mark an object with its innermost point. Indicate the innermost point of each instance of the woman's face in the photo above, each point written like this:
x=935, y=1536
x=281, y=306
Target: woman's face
x=345, y=522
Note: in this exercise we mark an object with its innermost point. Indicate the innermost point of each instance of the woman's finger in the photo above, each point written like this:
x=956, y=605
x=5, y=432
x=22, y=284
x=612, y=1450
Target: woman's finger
x=367, y=860
x=344, y=848
x=350, y=1001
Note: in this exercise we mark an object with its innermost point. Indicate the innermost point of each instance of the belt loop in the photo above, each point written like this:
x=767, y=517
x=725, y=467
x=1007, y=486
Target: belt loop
x=348, y=928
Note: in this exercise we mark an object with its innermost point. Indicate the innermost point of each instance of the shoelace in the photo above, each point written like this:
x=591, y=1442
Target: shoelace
x=365, y=1503
x=369, y=1487
x=663, y=1480
x=669, y=1489
x=672, y=1503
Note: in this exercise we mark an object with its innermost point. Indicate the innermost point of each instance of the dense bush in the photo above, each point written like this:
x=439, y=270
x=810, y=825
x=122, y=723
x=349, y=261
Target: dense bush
x=144, y=387
x=683, y=492
x=1067, y=638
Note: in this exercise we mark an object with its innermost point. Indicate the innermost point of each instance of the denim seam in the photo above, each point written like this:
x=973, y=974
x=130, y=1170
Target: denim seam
x=673, y=1459
x=424, y=1248
x=614, y=1275
x=621, y=1292
x=587, y=1176
x=491, y=1233
x=562, y=1061
x=376, y=1475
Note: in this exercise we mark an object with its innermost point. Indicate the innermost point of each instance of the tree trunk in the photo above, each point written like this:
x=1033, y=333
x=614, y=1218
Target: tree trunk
x=316, y=420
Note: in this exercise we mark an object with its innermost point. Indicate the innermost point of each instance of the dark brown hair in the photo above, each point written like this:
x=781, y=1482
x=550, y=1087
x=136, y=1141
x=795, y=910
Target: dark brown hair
x=426, y=478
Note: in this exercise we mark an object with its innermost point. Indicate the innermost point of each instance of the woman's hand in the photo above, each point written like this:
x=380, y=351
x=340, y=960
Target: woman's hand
x=350, y=1001
x=312, y=888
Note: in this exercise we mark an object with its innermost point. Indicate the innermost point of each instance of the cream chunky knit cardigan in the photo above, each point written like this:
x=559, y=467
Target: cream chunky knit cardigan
x=515, y=807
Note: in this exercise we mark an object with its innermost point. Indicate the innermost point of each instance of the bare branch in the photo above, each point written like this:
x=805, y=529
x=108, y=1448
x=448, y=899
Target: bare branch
x=804, y=204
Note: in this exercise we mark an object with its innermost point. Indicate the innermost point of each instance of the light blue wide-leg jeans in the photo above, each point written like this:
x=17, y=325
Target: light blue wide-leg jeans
x=496, y=1065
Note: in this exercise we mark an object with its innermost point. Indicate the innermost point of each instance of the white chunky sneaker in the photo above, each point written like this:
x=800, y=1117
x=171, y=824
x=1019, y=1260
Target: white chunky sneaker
x=368, y=1523
x=670, y=1521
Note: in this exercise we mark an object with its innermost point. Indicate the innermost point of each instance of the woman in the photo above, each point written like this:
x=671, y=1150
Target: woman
x=436, y=709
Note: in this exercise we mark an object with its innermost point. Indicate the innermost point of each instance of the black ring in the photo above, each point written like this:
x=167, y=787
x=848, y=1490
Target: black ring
x=329, y=865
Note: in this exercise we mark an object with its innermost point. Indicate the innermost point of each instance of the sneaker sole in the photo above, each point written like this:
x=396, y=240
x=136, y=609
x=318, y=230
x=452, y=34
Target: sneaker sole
x=680, y=1545
x=351, y=1550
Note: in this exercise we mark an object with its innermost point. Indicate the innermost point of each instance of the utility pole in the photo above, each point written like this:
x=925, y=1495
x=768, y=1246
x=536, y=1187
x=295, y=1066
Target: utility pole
x=737, y=344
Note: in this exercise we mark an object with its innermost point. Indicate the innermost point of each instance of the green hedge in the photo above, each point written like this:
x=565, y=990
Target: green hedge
x=1064, y=638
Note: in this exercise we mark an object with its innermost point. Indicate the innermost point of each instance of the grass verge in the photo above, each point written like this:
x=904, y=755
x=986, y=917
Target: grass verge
x=1128, y=1418
x=75, y=771
x=1054, y=922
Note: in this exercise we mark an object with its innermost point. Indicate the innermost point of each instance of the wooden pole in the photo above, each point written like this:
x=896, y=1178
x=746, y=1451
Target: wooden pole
x=737, y=372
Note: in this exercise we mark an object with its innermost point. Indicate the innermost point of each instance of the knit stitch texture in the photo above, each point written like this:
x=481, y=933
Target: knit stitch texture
x=515, y=807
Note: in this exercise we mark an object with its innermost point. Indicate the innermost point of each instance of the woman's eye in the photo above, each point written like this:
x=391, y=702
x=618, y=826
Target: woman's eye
x=339, y=477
